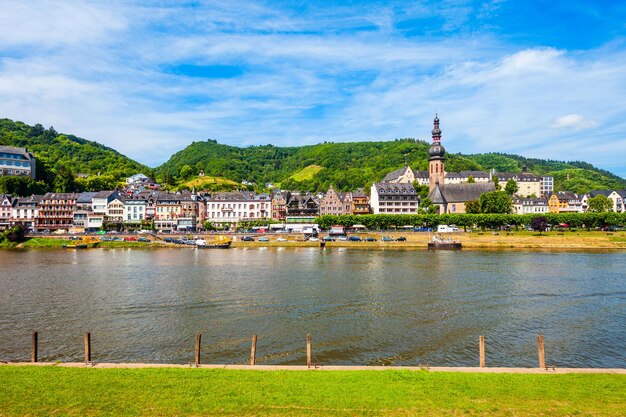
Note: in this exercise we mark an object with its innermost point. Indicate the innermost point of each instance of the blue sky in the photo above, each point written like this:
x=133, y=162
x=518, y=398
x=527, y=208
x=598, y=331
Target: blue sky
x=538, y=78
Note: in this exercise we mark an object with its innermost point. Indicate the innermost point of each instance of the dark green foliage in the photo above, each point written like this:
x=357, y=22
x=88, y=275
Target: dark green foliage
x=472, y=207
x=348, y=166
x=21, y=186
x=64, y=181
x=600, y=204
x=54, y=150
x=495, y=202
x=13, y=235
x=386, y=221
x=511, y=187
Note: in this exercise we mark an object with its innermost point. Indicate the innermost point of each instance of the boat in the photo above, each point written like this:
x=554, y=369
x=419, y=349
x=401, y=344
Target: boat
x=438, y=243
x=220, y=243
x=78, y=246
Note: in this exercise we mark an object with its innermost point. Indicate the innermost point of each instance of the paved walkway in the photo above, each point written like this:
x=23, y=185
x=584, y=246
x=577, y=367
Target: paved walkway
x=487, y=370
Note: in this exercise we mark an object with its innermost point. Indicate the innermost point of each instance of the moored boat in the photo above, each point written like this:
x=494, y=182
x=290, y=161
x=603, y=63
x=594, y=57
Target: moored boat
x=438, y=243
x=79, y=246
x=220, y=243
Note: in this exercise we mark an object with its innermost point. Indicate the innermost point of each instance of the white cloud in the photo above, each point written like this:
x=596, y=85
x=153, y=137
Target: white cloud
x=304, y=80
x=574, y=122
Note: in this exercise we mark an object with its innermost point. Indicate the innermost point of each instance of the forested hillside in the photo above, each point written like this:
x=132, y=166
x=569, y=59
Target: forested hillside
x=348, y=166
x=55, y=149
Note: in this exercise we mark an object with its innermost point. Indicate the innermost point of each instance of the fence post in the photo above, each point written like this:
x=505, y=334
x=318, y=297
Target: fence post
x=542, y=353
x=87, y=344
x=482, y=351
x=198, y=339
x=253, y=351
x=35, y=346
x=308, y=350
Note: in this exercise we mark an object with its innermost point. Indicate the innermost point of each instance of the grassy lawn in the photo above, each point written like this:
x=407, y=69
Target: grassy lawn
x=50, y=391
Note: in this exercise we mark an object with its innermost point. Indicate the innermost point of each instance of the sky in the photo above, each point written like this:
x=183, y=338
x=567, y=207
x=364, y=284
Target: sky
x=537, y=78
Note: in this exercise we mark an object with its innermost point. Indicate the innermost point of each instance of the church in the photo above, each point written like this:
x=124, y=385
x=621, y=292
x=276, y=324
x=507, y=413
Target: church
x=449, y=192
x=449, y=198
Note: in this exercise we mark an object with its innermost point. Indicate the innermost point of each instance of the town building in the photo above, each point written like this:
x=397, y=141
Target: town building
x=135, y=208
x=168, y=210
x=336, y=203
x=547, y=186
x=617, y=198
x=528, y=184
x=26, y=212
x=84, y=207
x=463, y=177
x=17, y=161
x=529, y=205
x=565, y=202
x=237, y=206
x=6, y=208
x=393, y=198
x=301, y=208
x=99, y=205
x=360, y=203
x=279, y=206
x=56, y=211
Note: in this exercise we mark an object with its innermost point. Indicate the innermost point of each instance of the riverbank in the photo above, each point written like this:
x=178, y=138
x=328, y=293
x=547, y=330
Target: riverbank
x=42, y=391
x=568, y=240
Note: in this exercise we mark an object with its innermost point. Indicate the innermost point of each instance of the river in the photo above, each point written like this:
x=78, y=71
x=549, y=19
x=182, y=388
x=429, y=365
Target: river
x=362, y=307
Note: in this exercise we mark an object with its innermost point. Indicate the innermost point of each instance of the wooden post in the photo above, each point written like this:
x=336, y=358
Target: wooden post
x=481, y=340
x=33, y=354
x=198, y=339
x=253, y=351
x=87, y=343
x=308, y=350
x=542, y=353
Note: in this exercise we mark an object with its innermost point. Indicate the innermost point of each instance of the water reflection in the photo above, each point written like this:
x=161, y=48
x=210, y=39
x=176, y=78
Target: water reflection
x=362, y=307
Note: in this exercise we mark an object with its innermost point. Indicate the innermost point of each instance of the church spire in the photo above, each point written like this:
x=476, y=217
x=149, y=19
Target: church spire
x=436, y=131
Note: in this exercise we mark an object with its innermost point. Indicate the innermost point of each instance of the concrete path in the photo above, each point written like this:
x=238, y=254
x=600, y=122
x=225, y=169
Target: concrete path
x=549, y=370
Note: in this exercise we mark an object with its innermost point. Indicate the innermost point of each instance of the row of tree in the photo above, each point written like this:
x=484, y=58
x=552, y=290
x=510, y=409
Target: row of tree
x=386, y=221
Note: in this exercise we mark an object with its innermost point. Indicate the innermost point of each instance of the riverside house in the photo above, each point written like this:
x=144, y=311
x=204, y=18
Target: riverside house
x=565, y=202
x=56, y=211
x=336, y=203
x=17, y=161
x=6, y=208
x=393, y=198
x=25, y=212
x=236, y=206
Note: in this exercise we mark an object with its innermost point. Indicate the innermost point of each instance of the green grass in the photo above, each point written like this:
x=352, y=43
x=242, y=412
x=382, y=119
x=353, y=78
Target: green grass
x=47, y=391
x=306, y=173
x=46, y=242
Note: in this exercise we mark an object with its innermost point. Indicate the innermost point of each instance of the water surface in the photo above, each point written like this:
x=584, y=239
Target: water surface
x=362, y=307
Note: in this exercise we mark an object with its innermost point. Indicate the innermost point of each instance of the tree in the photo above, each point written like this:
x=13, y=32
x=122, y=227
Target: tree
x=470, y=180
x=496, y=182
x=600, y=204
x=495, y=202
x=64, y=181
x=539, y=224
x=186, y=172
x=511, y=187
x=472, y=207
x=21, y=186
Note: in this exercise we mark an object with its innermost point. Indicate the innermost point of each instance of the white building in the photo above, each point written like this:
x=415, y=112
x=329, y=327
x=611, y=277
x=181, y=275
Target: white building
x=233, y=207
x=25, y=212
x=393, y=198
x=530, y=205
x=17, y=161
x=134, y=209
x=137, y=178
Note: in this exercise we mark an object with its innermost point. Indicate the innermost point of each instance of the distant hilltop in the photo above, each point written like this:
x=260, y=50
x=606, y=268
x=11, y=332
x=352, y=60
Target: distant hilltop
x=345, y=166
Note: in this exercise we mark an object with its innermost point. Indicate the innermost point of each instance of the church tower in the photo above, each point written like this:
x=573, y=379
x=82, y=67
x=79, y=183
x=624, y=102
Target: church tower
x=436, y=152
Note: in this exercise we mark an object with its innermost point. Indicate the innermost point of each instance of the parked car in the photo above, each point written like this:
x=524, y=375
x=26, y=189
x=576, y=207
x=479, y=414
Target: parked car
x=354, y=239
x=143, y=239
x=168, y=240
x=264, y=239
x=387, y=239
x=281, y=239
x=247, y=239
x=328, y=239
x=369, y=239
x=130, y=239
x=76, y=238
x=313, y=239
x=401, y=239
x=343, y=238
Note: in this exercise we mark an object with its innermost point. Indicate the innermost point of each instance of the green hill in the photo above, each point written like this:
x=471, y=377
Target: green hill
x=54, y=150
x=352, y=165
